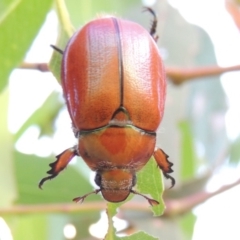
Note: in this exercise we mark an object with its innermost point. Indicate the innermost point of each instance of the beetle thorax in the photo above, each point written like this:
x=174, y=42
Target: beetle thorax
x=116, y=147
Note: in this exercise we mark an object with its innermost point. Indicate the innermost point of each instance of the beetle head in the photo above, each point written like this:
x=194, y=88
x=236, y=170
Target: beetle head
x=115, y=184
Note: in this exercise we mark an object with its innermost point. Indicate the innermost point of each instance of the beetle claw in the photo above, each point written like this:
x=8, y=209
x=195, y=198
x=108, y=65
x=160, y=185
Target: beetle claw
x=171, y=178
x=45, y=179
x=151, y=201
x=79, y=199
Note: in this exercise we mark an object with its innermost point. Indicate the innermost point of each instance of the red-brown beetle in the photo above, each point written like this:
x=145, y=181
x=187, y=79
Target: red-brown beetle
x=114, y=84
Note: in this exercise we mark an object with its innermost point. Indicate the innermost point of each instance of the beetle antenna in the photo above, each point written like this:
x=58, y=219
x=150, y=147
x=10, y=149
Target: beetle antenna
x=82, y=198
x=151, y=201
x=57, y=49
x=154, y=22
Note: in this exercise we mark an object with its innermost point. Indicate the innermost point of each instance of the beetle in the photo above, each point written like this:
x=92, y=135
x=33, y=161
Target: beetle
x=114, y=83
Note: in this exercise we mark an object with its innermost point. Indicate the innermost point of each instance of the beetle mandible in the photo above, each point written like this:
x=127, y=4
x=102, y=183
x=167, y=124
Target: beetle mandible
x=114, y=84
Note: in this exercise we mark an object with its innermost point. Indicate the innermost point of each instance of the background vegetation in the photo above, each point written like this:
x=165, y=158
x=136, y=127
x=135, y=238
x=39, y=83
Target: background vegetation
x=193, y=131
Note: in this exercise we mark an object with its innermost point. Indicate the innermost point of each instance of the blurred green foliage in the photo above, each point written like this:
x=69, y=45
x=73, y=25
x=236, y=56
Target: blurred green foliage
x=182, y=126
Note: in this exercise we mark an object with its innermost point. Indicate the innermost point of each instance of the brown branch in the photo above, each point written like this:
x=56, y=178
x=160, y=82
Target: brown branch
x=173, y=207
x=43, y=67
x=180, y=75
x=233, y=9
x=69, y=208
x=184, y=205
x=174, y=74
x=53, y=208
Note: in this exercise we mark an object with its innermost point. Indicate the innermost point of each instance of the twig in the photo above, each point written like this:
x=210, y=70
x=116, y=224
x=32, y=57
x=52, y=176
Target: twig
x=180, y=75
x=69, y=208
x=174, y=74
x=233, y=8
x=43, y=67
x=173, y=207
x=184, y=205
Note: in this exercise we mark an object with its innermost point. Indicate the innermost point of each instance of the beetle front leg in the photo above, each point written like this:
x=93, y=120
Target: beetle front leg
x=62, y=161
x=162, y=160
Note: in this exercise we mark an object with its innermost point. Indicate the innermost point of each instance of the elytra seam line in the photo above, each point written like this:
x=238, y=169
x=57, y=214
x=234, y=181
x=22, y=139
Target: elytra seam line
x=120, y=59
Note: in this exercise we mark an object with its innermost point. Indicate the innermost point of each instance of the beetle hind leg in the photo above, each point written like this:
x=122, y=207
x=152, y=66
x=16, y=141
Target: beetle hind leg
x=153, y=28
x=166, y=166
x=62, y=161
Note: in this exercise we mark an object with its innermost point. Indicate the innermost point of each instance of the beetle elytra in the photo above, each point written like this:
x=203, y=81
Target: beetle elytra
x=114, y=84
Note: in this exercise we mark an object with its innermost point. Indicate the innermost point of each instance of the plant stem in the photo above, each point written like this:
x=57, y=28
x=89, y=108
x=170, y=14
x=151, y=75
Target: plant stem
x=173, y=207
x=175, y=74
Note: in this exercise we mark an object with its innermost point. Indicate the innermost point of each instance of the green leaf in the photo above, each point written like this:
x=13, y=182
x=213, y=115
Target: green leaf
x=111, y=211
x=138, y=236
x=65, y=32
x=7, y=177
x=30, y=169
x=111, y=234
x=150, y=181
x=29, y=227
x=18, y=28
x=5, y=7
x=187, y=222
x=82, y=11
x=188, y=156
x=43, y=116
x=235, y=151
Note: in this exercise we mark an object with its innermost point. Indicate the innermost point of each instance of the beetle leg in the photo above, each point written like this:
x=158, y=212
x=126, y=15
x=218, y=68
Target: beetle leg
x=152, y=202
x=57, y=49
x=162, y=160
x=56, y=167
x=82, y=198
x=154, y=23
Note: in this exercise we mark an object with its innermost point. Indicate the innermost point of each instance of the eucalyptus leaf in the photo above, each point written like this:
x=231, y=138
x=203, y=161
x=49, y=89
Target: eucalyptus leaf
x=29, y=227
x=138, y=236
x=8, y=191
x=18, y=28
x=150, y=181
x=43, y=117
x=187, y=222
x=235, y=151
x=111, y=234
x=188, y=156
x=65, y=32
x=82, y=11
x=30, y=169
